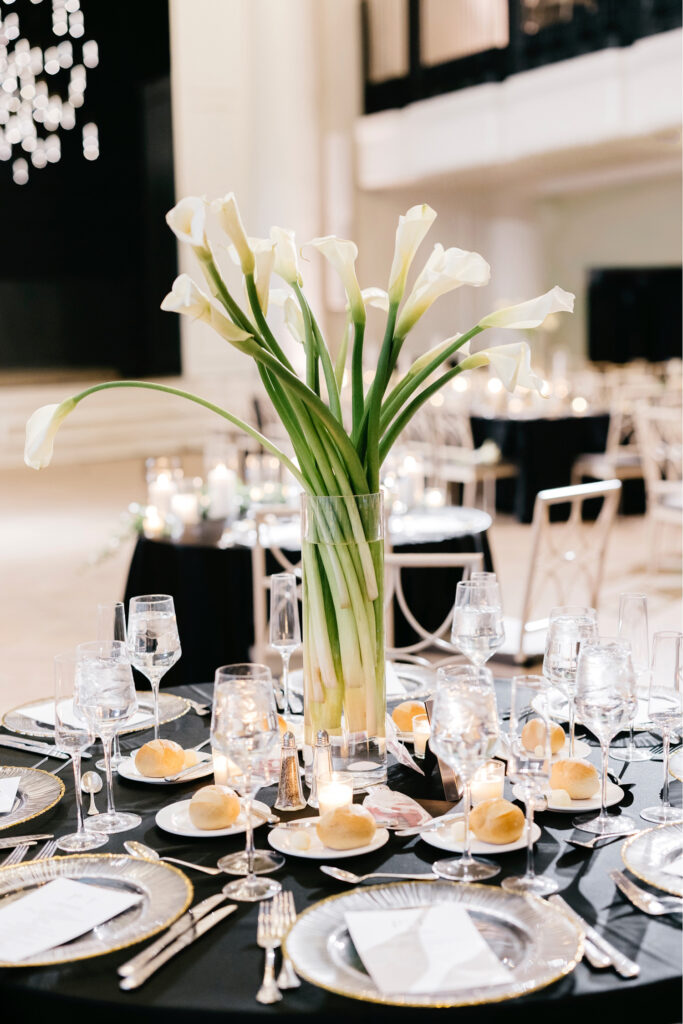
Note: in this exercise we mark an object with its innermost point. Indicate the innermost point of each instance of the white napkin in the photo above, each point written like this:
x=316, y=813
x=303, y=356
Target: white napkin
x=8, y=791
x=424, y=949
x=59, y=911
x=45, y=712
x=675, y=867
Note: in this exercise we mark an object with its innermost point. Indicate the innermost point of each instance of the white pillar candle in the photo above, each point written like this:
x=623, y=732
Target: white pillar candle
x=152, y=524
x=488, y=782
x=160, y=492
x=221, y=491
x=186, y=508
x=335, y=790
x=220, y=768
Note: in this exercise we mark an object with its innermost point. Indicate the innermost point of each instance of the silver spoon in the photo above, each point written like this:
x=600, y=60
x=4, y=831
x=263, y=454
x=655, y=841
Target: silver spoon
x=348, y=876
x=147, y=853
x=91, y=783
x=598, y=841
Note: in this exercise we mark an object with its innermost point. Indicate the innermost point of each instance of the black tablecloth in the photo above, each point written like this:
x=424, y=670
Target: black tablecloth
x=218, y=977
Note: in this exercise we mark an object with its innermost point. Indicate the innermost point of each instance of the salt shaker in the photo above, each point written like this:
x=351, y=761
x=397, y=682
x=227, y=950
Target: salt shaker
x=322, y=764
x=289, y=793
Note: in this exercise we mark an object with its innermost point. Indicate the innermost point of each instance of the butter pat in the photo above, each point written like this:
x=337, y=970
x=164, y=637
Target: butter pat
x=560, y=798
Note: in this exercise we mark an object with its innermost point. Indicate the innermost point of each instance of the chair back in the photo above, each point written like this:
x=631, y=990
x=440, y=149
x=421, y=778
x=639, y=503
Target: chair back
x=659, y=432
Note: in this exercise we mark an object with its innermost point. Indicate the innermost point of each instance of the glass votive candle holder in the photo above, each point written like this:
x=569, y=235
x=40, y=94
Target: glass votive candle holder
x=421, y=732
x=221, y=771
x=335, y=790
x=488, y=782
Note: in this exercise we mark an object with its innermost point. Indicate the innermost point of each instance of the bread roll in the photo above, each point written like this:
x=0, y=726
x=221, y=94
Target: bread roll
x=345, y=828
x=497, y=821
x=533, y=735
x=214, y=807
x=282, y=725
x=404, y=713
x=579, y=778
x=159, y=758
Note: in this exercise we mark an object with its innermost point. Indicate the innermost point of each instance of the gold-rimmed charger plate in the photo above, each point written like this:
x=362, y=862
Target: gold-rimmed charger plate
x=535, y=941
x=170, y=708
x=648, y=854
x=166, y=894
x=38, y=791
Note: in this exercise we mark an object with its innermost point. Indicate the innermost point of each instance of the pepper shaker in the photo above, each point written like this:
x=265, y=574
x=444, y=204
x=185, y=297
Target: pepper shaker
x=290, y=796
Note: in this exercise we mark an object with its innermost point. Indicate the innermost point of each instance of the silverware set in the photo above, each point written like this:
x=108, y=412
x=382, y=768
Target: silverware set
x=649, y=903
x=275, y=918
x=624, y=966
x=21, y=849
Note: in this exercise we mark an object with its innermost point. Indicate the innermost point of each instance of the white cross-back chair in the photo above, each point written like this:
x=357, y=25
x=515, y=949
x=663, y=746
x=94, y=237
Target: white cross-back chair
x=456, y=460
x=260, y=578
x=659, y=432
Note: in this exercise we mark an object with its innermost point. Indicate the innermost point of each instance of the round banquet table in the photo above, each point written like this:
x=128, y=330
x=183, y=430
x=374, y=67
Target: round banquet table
x=211, y=583
x=218, y=976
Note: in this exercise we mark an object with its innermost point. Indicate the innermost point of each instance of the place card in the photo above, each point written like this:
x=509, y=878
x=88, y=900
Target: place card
x=424, y=950
x=45, y=713
x=56, y=913
x=8, y=791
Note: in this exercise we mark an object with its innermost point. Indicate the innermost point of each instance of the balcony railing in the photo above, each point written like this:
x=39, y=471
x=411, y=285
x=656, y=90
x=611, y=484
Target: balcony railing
x=414, y=49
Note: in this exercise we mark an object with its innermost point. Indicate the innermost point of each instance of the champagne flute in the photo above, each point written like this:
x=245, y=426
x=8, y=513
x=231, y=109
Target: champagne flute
x=111, y=625
x=605, y=701
x=568, y=626
x=665, y=711
x=477, y=629
x=245, y=729
x=285, y=629
x=530, y=769
x=105, y=697
x=153, y=641
x=633, y=629
x=464, y=724
x=73, y=733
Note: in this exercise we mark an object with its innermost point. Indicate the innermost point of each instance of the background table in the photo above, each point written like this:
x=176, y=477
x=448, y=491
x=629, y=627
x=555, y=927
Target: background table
x=212, y=586
x=217, y=978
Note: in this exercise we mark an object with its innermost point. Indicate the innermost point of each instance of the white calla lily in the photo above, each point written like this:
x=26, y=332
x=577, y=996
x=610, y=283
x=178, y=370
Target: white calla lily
x=264, y=259
x=511, y=363
x=533, y=312
x=40, y=432
x=342, y=254
x=376, y=297
x=286, y=257
x=226, y=328
x=187, y=221
x=412, y=227
x=445, y=270
x=425, y=359
x=187, y=298
x=294, y=320
x=231, y=222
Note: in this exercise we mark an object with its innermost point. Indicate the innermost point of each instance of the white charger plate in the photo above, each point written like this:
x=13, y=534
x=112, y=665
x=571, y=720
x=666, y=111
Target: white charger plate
x=614, y=795
x=128, y=770
x=176, y=819
x=444, y=841
x=279, y=839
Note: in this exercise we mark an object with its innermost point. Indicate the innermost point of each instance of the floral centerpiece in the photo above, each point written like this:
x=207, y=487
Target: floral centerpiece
x=337, y=463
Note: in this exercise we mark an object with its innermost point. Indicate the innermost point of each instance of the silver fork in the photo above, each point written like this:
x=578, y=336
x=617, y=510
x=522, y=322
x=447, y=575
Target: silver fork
x=285, y=913
x=644, y=900
x=48, y=850
x=599, y=841
x=16, y=856
x=268, y=940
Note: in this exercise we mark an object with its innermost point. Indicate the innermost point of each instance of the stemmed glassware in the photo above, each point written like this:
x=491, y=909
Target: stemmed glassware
x=478, y=629
x=568, y=626
x=665, y=711
x=605, y=702
x=105, y=697
x=530, y=770
x=633, y=629
x=464, y=732
x=245, y=729
x=111, y=625
x=285, y=628
x=73, y=733
x=153, y=641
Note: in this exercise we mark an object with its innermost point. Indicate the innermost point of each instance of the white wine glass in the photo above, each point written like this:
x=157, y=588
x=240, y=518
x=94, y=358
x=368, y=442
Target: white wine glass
x=633, y=629
x=478, y=629
x=605, y=700
x=529, y=769
x=153, y=641
x=105, y=696
x=568, y=626
x=111, y=625
x=285, y=627
x=74, y=734
x=244, y=727
x=665, y=711
x=464, y=724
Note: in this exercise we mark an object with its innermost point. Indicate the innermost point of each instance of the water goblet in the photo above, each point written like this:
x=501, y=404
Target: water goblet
x=477, y=629
x=530, y=770
x=633, y=629
x=605, y=702
x=665, y=711
x=111, y=625
x=105, y=696
x=73, y=733
x=464, y=724
x=285, y=629
x=568, y=626
x=153, y=641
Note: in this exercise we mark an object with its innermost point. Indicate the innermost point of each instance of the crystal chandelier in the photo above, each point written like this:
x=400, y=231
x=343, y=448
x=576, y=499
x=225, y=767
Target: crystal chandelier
x=34, y=108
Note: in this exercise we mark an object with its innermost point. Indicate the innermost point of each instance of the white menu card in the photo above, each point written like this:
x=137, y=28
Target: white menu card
x=8, y=791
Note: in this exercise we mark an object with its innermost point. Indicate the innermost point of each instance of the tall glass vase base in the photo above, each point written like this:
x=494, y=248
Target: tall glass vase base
x=459, y=869
x=264, y=863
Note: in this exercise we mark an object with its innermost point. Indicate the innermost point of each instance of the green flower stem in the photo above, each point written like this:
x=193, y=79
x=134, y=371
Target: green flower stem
x=220, y=290
x=340, y=363
x=321, y=351
x=357, y=397
x=409, y=411
x=262, y=323
x=375, y=401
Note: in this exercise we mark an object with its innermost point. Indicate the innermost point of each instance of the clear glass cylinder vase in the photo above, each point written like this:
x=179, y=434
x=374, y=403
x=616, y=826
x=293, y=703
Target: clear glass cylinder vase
x=343, y=632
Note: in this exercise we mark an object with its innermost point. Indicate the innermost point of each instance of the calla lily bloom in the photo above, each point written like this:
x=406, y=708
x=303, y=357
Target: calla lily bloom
x=533, y=312
x=412, y=227
x=40, y=432
x=511, y=363
x=445, y=270
x=376, y=297
x=294, y=319
x=231, y=222
x=286, y=257
x=187, y=221
x=342, y=254
x=264, y=257
x=186, y=297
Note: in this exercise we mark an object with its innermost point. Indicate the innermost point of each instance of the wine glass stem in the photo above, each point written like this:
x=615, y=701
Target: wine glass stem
x=572, y=725
x=631, y=746
x=76, y=760
x=249, y=838
x=116, y=748
x=529, y=808
x=285, y=655
x=665, y=788
x=467, y=859
x=154, y=682
x=605, y=766
x=106, y=746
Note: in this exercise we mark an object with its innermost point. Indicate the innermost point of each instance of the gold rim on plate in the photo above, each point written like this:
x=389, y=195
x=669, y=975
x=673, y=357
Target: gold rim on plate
x=10, y=771
x=45, y=730
x=637, y=870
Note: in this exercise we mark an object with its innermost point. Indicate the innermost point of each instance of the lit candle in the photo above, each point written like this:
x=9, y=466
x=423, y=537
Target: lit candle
x=421, y=731
x=152, y=524
x=186, y=508
x=160, y=492
x=220, y=768
x=221, y=491
x=488, y=782
x=335, y=790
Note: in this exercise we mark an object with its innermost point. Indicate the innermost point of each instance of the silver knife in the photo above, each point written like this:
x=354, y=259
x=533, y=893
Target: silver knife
x=645, y=901
x=193, y=915
x=6, y=844
x=429, y=826
x=186, y=939
x=622, y=964
x=35, y=747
